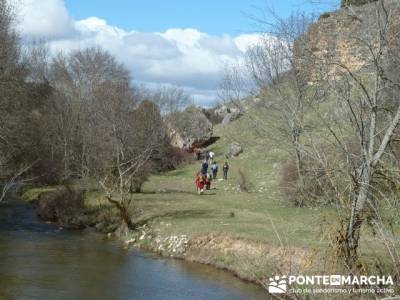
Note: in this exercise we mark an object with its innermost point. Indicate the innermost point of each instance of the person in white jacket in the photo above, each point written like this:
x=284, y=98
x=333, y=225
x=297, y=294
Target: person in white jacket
x=211, y=155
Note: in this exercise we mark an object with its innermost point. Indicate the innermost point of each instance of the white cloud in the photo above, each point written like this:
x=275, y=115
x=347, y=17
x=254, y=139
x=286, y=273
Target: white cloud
x=185, y=38
x=43, y=19
x=244, y=41
x=184, y=57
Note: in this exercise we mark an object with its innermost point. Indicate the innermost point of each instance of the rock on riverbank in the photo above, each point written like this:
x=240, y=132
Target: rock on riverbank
x=249, y=260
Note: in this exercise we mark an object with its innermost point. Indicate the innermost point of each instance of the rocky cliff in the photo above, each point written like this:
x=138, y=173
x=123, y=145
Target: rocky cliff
x=189, y=128
x=343, y=39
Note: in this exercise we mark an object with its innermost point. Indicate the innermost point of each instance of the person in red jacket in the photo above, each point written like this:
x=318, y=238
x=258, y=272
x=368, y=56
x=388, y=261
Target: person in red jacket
x=208, y=181
x=200, y=182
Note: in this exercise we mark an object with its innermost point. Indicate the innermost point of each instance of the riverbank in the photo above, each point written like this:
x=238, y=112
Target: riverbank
x=248, y=260
x=217, y=232
x=254, y=234
x=40, y=261
x=227, y=229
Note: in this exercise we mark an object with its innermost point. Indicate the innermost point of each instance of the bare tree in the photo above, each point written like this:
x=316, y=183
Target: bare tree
x=76, y=116
x=11, y=182
x=353, y=133
x=138, y=140
x=271, y=75
x=76, y=79
x=14, y=113
x=170, y=99
x=370, y=113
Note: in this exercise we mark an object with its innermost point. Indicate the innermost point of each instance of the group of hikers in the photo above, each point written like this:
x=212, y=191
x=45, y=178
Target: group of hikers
x=204, y=178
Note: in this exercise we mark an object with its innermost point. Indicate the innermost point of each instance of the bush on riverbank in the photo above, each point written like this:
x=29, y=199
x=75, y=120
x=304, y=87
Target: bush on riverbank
x=64, y=206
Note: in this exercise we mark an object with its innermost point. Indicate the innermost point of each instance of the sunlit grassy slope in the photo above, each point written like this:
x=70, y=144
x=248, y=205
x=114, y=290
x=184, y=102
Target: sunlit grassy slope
x=170, y=205
x=262, y=214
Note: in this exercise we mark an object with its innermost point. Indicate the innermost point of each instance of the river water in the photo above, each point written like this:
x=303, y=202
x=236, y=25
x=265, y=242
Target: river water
x=40, y=261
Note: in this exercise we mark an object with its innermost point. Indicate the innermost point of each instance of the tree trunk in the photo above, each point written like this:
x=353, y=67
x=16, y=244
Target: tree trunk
x=299, y=162
x=299, y=166
x=123, y=212
x=356, y=219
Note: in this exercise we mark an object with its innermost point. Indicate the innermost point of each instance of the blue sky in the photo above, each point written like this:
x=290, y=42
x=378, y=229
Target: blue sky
x=173, y=42
x=210, y=16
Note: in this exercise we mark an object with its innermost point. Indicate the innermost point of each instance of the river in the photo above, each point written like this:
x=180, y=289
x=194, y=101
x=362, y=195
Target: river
x=40, y=261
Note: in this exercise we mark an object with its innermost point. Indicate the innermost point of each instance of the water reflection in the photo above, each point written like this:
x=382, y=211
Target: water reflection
x=38, y=261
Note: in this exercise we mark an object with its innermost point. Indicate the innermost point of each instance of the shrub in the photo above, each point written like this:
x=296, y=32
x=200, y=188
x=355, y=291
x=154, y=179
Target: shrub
x=63, y=206
x=46, y=172
x=174, y=157
x=137, y=182
x=311, y=189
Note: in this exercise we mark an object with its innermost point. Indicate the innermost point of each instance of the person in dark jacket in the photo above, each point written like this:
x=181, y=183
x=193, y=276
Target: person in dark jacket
x=204, y=167
x=214, y=169
x=225, y=169
x=207, y=155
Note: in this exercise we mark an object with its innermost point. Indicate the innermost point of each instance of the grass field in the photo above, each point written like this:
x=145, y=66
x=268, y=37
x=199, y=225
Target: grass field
x=224, y=209
x=170, y=206
x=262, y=214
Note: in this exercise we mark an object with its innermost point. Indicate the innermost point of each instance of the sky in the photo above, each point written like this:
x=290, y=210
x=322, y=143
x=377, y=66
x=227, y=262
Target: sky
x=162, y=42
x=214, y=17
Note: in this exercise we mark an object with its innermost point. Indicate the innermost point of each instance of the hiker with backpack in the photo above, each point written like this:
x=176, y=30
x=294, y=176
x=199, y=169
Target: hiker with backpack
x=200, y=182
x=214, y=170
x=211, y=156
x=225, y=169
x=207, y=155
x=204, y=167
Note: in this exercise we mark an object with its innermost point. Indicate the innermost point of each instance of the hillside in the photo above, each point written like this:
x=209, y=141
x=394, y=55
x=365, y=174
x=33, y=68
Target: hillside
x=245, y=232
x=260, y=230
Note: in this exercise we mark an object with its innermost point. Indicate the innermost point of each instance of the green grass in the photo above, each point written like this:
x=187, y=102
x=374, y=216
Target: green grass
x=95, y=198
x=170, y=205
x=170, y=201
x=31, y=193
x=257, y=216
